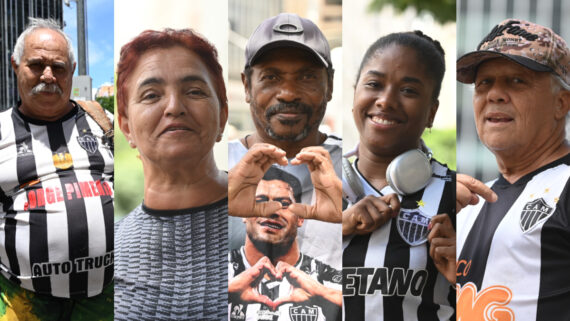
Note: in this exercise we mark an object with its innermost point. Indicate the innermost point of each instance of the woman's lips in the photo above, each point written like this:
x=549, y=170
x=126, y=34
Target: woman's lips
x=175, y=128
x=383, y=121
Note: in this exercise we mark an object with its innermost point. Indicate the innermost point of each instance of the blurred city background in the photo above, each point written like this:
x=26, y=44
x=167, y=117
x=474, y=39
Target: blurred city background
x=476, y=18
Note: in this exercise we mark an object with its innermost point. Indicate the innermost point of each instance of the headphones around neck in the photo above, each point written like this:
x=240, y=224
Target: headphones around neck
x=406, y=174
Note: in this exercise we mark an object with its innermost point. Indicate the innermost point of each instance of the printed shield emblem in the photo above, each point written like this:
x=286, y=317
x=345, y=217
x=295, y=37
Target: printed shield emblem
x=88, y=142
x=304, y=313
x=534, y=212
x=413, y=226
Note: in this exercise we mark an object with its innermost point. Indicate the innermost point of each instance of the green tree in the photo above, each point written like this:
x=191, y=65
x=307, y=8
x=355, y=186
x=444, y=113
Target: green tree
x=442, y=10
x=107, y=102
x=442, y=143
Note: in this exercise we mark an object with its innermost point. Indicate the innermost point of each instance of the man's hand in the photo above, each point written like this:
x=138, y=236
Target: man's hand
x=243, y=287
x=245, y=176
x=304, y=287
x=468, y=191
x=328, y=187
x=369, y=214
x=442, y=246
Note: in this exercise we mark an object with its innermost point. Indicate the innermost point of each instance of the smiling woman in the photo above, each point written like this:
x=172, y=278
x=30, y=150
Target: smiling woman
x=172, y=107
x=395, y=236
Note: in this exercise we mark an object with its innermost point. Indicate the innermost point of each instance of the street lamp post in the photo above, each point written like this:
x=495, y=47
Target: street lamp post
x=81, y=37
x=82, y=84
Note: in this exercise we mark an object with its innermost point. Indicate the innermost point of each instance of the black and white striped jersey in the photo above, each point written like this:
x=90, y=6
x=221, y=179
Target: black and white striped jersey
x=56, y=204
x=513, y=256
x=315, y=310
x=318, y=239
x=389, y=274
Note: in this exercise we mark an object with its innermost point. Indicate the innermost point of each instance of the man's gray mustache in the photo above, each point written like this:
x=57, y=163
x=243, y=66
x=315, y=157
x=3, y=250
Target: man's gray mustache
x=290, y=107
x=48, y=88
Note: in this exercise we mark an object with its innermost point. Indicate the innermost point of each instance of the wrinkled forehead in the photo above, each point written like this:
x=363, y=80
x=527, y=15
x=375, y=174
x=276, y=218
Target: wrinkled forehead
x=500, y=65
x=274, y=188
x=47, y=42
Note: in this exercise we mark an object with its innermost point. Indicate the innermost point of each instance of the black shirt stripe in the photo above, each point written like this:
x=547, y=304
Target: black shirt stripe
x=97, y=165
x=78, y=235
x=354, y=256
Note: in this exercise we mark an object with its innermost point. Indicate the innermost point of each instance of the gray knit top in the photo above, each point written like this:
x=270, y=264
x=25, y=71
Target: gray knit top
x=172, y=264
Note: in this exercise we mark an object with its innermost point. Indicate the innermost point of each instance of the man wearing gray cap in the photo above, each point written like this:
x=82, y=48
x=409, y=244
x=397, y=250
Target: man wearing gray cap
x=513, y=248
x=288, y=80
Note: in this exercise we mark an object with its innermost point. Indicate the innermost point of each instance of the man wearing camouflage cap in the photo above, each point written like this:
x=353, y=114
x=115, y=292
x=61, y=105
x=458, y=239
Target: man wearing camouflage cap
x=513, y=247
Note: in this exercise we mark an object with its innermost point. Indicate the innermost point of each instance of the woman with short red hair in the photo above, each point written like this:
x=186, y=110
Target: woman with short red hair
x=170, y=251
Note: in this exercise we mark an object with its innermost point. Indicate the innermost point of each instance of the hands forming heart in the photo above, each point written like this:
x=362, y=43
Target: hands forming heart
x=245, y=286
x=245, y=176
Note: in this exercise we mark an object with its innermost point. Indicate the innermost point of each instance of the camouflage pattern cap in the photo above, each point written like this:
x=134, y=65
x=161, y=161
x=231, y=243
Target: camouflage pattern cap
x=533, y=46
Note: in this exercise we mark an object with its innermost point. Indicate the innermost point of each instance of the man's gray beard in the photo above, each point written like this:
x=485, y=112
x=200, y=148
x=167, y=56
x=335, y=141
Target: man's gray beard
x=271, y=250
x=302, y=135
x=297, y=138
x=49, y=88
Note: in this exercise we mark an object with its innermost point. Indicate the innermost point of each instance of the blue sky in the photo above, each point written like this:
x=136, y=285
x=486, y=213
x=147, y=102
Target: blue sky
x=100, y=32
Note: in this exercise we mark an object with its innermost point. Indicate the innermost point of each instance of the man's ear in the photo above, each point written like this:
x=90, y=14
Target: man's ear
x=562, y=104
x=14, y=65
x=73, y=67
x=300, y=222
x=330, y=85
x=247, y=88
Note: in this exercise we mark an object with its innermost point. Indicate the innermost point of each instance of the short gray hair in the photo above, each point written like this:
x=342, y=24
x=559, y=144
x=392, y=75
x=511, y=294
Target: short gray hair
x=38, y=23
x=558, y=84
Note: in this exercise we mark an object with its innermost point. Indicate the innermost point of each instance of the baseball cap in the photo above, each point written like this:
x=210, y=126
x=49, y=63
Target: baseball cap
x=528, y=44
x=287, y=30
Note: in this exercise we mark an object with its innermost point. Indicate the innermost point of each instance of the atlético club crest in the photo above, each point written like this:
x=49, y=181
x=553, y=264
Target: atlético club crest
x=534, y=212
x=304, y=313
x=413, y=226
x=88, y=142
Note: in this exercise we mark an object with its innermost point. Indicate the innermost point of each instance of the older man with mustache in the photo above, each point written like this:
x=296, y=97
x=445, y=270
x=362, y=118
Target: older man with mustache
x=56, y=191
x=513, y=241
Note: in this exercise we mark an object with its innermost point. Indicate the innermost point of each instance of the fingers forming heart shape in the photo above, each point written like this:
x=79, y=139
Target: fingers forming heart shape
x=299, y=281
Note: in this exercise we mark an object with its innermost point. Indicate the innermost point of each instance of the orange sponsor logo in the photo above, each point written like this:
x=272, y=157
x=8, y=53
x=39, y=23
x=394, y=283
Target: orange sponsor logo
x=490, y=304
x=463, y=268
x=62, y=160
